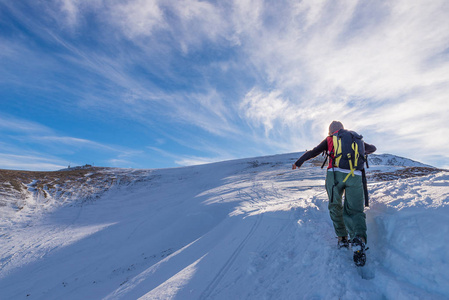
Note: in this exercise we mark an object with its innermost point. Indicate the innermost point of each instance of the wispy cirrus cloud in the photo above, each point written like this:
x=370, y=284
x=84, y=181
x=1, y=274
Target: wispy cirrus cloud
x=263, y=109
x=190, y=160
x=72, y=142
x=271, y=74
x=8, y=123
x=32, y=146
x=368, y=65
x=30, y=163
x=138, y=19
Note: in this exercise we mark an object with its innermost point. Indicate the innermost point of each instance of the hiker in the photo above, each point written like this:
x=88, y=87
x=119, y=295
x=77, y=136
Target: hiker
x=344, y=178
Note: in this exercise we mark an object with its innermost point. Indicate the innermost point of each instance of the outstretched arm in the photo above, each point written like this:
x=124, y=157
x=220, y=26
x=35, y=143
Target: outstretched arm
x=310, y=154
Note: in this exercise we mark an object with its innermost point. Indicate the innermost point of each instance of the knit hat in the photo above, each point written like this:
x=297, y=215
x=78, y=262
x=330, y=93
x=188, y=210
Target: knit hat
x=335, y=126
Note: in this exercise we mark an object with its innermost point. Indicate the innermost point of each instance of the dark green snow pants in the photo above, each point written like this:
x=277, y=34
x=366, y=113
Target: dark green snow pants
x=348, y=217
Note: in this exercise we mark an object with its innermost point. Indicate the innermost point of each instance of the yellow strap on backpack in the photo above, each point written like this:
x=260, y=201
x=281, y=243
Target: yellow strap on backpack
x=337, y=150
x=355, y=147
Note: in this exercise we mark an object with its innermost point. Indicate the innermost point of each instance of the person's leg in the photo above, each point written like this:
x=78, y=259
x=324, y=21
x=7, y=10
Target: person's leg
x=354, y=206
x=335, y=205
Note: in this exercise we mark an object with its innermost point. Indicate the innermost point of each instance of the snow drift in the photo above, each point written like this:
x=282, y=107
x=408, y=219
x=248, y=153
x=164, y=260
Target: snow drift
x=242, y=229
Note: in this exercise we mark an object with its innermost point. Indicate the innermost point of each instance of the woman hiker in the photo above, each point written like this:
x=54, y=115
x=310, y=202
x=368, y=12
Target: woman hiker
x=348, y=217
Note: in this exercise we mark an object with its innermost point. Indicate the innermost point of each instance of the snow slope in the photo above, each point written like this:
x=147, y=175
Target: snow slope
x=242, y=229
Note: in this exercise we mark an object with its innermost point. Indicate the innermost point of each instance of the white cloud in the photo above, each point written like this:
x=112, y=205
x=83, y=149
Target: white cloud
x=70, y=13
x=264, y=109
x=199, y=19
x=70, y=9
x=374, y=66
x=72, y=141
x=381, y=67
x=194, y=160
x=30, y=162
x=186, y=23
x=12, y=124
x=325, y=52
x=138, y=18
x=120, y=163
x=34, y=132
x=26, y=145
x=206, y=110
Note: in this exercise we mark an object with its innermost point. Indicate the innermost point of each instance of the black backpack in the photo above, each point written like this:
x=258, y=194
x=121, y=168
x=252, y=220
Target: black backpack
x=349, y=153
x=349, y=150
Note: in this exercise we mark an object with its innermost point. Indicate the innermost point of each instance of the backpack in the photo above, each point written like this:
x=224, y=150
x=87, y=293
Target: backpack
x=348, y=151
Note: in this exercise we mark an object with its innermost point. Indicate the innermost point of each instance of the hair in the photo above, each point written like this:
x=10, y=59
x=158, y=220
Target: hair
x=335, y=126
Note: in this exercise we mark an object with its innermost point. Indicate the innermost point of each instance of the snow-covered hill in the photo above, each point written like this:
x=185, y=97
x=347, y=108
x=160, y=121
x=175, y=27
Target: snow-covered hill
x=393, y=160
x=242, y=229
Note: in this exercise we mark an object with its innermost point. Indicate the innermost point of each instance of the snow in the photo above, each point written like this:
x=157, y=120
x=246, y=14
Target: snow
x=242, y=229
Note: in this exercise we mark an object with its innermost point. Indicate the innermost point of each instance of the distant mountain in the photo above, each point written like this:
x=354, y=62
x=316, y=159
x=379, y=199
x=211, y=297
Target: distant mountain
x=393, y=160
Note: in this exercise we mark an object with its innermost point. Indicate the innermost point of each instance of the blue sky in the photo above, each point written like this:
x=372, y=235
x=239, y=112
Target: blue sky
x=155, y=84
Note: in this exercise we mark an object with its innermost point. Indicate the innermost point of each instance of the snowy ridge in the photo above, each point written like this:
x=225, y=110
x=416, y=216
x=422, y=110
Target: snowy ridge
x=38, y=191
x=242, y=229
x=393, y=160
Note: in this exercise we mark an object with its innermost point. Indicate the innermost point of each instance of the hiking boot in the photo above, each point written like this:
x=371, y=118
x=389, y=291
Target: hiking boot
x=358, y=246
x=343, y=242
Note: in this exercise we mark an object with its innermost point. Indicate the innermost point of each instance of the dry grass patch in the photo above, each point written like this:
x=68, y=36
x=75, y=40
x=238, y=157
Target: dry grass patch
x=404, y=173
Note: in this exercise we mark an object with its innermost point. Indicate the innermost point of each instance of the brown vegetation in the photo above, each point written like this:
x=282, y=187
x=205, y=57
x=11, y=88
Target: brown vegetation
x=16, y=185
x=404, y=173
